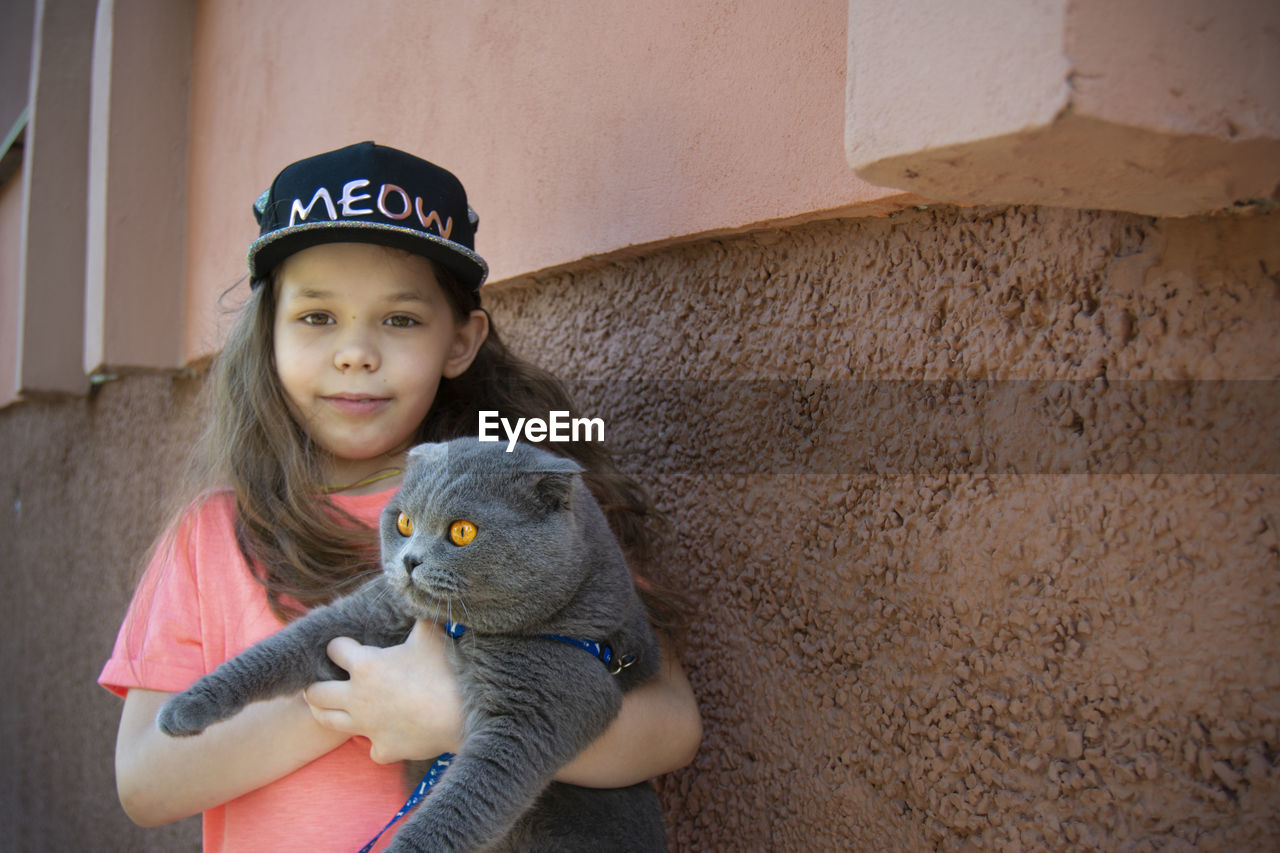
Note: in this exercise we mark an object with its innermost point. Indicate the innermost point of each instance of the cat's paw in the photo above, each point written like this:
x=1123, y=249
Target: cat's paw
x=186, y=714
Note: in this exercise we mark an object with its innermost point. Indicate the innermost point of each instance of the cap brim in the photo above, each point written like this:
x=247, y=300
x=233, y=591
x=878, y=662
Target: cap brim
x=270, y=249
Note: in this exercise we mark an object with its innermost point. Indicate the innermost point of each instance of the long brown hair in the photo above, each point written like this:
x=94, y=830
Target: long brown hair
x=303, y=549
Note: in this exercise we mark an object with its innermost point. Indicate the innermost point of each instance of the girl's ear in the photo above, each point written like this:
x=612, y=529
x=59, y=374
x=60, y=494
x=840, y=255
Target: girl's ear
x=468, y=337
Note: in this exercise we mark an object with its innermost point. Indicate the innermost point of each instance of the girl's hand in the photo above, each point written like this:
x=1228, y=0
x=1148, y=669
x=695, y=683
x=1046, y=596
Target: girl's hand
x=404, y=699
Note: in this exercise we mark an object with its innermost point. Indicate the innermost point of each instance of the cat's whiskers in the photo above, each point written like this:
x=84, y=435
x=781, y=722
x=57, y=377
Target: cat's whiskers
x=470, y=636
x=383, y=593
x=386, y=592
x=357, y=580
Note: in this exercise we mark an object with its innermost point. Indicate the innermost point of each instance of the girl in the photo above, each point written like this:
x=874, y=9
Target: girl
x=362, y=336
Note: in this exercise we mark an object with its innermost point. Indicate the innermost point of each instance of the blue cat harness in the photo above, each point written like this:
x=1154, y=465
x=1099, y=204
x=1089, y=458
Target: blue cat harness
x=601, y=651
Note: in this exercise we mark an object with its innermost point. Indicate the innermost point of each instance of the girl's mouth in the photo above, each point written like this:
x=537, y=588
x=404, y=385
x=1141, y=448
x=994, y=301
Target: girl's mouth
x=357, y=405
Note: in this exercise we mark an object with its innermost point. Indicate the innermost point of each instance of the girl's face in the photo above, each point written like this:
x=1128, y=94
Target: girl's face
x=363, y=335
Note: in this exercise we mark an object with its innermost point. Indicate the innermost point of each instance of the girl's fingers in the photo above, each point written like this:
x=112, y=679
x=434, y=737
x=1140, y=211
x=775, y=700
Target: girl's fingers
x=333, y=718
x=344, y=651
x=327, y=701
x=403, y=698
x=348, y=653
x=326, y=695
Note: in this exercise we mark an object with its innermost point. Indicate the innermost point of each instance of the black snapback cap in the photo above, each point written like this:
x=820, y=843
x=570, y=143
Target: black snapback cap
x=368, y=193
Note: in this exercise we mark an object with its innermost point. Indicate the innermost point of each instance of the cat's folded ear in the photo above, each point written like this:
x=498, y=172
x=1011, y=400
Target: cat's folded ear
x=431, y=453
x=554, y=491
x=554, y=481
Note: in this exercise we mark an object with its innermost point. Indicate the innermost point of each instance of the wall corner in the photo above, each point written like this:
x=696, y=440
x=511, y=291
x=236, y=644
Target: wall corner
x=1160, y=108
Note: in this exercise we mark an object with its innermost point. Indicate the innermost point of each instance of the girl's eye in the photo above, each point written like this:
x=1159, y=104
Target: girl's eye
x=316, y=318
x=461, y=533
x=401, y=321
x=404, y=524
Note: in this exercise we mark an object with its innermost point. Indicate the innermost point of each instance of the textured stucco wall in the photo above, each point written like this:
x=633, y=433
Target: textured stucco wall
x=940, y=655
x=924, y=632
x=81, y=483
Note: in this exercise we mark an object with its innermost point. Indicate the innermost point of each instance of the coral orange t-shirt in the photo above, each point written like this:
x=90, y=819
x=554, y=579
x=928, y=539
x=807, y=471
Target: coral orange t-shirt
x=197, y=606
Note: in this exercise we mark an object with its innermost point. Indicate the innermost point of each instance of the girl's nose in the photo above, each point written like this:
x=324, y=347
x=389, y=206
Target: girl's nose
x=357, y=352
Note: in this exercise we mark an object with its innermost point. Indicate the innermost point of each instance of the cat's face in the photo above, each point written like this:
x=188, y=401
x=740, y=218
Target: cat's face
x=484, y=537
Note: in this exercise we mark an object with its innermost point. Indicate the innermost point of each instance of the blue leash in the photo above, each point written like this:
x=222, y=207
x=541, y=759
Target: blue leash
x=428, y=782
x=601, y=651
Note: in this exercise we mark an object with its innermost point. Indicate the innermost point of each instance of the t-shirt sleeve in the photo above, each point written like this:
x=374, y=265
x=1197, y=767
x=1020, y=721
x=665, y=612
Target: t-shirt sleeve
x=159, y=646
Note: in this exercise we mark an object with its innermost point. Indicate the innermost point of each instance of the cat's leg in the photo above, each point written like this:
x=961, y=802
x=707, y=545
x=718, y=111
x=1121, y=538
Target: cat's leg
x=528, y=716
x=281, y=664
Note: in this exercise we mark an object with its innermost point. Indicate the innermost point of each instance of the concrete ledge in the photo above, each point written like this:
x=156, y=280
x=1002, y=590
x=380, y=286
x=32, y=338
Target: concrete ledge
x=1160, y=108
x=1090, y=163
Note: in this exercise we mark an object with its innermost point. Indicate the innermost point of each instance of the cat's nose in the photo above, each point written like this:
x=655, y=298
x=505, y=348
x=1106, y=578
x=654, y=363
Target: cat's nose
x=410, y=563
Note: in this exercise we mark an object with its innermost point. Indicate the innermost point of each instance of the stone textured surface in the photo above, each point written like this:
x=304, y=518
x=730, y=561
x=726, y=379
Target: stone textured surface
x=935, y=643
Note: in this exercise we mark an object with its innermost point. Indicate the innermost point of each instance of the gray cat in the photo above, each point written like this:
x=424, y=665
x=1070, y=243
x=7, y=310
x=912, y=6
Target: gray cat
x=513, y=546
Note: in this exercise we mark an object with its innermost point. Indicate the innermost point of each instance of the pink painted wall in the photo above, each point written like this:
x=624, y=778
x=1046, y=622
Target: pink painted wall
x=588, y=131
x=579, y=128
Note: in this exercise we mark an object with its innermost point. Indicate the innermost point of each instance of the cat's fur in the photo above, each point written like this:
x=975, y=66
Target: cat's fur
x=543, y=562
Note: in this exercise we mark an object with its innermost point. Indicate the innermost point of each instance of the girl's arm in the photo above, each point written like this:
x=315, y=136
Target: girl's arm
x=658, y=729
x=161, y=779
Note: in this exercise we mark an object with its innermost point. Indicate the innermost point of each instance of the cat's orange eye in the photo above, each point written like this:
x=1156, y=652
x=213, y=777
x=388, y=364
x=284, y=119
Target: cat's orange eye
x=404, y=524
x=462, y=532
